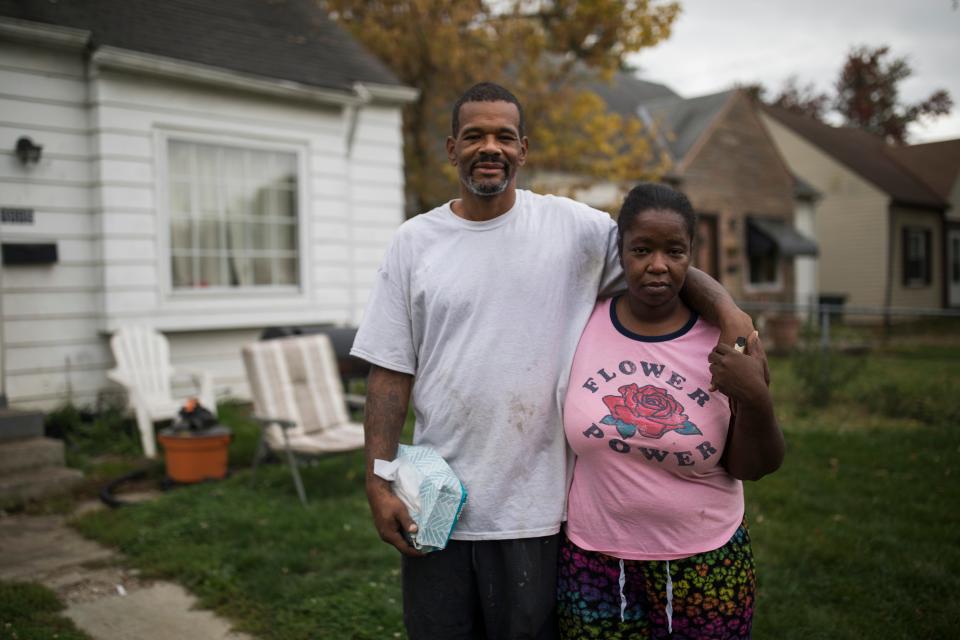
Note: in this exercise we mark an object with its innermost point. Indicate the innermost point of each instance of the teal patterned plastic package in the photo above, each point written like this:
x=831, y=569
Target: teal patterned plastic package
x=429, y=489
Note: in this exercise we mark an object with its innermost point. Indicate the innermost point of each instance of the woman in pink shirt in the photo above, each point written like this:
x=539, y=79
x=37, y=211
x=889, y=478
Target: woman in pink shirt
x=656, y=545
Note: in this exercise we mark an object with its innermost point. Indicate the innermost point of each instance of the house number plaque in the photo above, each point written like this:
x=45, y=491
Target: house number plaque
x=13, y=215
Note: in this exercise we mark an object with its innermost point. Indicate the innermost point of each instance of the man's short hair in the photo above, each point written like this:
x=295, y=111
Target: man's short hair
x=484, y=92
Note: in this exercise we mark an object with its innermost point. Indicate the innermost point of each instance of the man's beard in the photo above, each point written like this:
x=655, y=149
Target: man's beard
x=487, y=190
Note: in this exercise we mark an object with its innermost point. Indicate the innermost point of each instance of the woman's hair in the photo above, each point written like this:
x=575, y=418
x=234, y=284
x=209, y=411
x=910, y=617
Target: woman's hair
x=651, y=196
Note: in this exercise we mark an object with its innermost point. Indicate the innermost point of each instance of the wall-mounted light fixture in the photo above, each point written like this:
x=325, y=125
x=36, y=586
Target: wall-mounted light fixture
x=27, y=151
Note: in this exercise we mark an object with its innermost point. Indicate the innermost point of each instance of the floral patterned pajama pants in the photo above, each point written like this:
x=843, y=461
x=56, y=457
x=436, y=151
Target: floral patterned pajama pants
x=706, y=596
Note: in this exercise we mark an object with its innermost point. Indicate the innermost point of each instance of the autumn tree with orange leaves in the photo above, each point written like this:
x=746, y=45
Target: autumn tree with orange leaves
x=543, y=51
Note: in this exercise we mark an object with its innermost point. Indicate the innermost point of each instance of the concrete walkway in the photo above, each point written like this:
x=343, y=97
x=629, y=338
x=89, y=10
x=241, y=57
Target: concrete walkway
x=102, y=598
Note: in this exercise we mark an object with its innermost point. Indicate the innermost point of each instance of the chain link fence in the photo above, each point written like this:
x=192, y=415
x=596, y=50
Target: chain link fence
x=785, y=326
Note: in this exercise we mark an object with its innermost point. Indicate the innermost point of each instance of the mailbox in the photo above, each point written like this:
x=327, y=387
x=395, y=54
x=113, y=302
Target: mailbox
x=17, y=253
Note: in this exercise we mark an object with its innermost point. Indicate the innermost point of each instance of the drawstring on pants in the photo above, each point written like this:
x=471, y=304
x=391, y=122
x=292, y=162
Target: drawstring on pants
x=623, y=598
x=669, y=607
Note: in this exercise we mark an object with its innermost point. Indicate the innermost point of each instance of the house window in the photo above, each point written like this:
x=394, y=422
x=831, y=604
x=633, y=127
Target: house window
x=763, y=255
x=916, y=256
x=706, y=252
x=233, y=216
x=763, y=269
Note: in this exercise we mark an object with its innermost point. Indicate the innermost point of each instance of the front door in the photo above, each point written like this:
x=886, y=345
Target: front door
x=953, y=267
x=705, y=249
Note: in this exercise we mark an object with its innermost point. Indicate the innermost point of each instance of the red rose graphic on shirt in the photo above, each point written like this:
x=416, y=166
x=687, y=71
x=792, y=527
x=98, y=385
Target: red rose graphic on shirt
x=649, y=410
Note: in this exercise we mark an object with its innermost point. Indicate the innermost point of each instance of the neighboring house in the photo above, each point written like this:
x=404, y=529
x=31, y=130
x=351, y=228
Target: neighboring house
x=938, y=164
x=209, y=169
x=625, y=93
x=752, y=210
x=806, y=291
x=879, y=226
x=746, y=198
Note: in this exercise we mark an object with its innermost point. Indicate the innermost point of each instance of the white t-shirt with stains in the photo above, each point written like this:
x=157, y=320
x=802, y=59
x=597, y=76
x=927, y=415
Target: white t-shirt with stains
x=486, y=316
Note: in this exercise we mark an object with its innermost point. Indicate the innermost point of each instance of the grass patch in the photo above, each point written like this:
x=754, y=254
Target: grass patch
x=246, y=433
x=250, y=551
x=855, y=537
x=89, y=433
x=822, y=374
x=852, y=538
x=30, y=611
x=104, y=443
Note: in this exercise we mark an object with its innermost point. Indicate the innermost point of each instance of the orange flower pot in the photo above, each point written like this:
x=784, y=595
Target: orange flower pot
x=196, y=456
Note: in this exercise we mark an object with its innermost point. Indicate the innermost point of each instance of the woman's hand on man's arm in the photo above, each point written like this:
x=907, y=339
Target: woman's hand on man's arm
x=755, y=445
x=708, y=298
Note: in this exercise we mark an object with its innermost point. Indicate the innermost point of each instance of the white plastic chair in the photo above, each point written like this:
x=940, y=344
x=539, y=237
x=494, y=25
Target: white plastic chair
x=299, y=401
x=144, y=370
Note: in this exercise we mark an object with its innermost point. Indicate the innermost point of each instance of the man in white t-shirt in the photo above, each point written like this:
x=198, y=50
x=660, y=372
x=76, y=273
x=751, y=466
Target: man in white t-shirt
x=477, y=310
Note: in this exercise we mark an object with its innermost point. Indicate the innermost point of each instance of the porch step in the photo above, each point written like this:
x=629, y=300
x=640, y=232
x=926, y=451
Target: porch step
x=31, y=466
x=32, y=453
x=38, y=483
x=16, y=424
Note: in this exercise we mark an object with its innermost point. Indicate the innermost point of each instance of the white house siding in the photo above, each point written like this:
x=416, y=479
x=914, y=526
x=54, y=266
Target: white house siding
x=50, y=314
x=805, y=267
x=375, y=179
x=851, y=221
x=853, y=247
x=99, y=193
x=216, y=352
x=927, y=296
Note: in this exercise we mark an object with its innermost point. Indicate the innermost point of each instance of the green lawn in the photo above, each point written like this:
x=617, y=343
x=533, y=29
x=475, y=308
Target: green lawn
x=254, y=554
x=855, y=537
x=32, y=612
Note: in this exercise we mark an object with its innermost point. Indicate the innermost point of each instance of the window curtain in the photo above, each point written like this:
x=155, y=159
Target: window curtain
x=210, y=241
x=233, y=216
x=238, y=206
x=180, y=166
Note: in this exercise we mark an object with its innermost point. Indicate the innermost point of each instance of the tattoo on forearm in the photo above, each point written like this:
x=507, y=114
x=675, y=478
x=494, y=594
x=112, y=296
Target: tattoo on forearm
x=705, y=295
x=387, y=400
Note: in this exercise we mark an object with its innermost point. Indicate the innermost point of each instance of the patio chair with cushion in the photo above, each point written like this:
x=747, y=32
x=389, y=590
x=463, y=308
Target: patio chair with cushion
x=144, y=370
x=299, y=401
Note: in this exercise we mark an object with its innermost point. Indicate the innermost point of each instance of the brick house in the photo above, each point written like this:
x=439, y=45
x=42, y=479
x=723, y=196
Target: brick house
x=747, y=199
x=755, y=230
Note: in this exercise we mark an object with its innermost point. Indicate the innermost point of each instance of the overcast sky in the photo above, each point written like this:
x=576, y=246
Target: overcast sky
x=716, y=43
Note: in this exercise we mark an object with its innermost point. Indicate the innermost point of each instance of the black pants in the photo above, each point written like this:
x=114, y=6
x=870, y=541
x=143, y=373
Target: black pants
x=493, y=590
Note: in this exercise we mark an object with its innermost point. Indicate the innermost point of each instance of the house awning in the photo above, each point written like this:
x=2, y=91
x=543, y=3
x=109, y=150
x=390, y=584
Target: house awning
x=767, y=235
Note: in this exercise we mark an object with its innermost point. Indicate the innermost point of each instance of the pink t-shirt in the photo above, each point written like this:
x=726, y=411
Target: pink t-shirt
x=648, y=434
